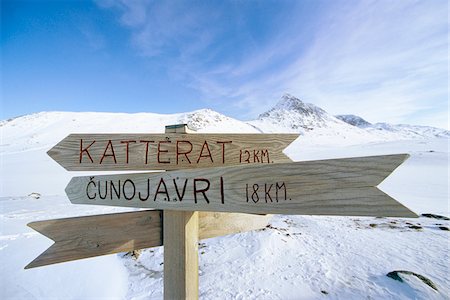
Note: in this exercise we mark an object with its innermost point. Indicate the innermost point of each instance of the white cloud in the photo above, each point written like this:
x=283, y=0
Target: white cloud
x=383, y=60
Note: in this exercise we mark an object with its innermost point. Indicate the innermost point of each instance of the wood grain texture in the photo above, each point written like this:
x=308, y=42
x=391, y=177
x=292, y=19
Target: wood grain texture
x=83, y=237
x=214, y=224
x=180, y=254
x=169, y=151
x=325, y=187
x=90, y=236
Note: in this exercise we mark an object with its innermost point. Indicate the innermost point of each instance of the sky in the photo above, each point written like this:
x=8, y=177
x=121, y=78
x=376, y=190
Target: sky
x=386, y=61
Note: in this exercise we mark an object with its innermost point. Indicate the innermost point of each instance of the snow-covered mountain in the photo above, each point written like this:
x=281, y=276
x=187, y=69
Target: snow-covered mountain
x=289, y=115
x=409, y=131
x=293, y=115
x=354, y=120
x=403, y=130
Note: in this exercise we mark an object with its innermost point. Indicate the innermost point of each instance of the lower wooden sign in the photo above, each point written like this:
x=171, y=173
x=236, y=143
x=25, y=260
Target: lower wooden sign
x=90, y=236
x=326, y=187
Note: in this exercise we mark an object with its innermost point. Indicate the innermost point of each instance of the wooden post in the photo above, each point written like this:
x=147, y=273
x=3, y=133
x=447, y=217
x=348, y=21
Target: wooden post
x=180, y=236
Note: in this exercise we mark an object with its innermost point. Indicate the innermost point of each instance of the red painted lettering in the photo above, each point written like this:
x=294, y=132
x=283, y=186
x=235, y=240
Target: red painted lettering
x=85, y=150
x=205, y=146
x=146, y=149
x=127, y=147
x=162, y=151
x=223, y=149
x=112, y=154
x=184, y=153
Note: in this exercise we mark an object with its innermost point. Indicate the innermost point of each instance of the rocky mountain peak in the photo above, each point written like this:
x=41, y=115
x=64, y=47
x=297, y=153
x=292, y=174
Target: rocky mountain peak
x=354, y=120
x=293, y=113
x=291, y=103
x=202, y=118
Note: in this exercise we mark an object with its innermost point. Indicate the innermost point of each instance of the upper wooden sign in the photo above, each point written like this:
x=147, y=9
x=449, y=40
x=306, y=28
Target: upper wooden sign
x=326, y=187
x=113, y=152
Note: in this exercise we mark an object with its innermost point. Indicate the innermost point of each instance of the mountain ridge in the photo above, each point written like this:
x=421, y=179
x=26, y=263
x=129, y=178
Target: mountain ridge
x=289, y=115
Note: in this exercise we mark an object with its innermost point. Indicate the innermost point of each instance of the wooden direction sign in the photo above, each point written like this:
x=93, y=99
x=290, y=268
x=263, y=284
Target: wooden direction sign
x=170, y=151
x=237, y=173
x=90, y=236
x=325, y=187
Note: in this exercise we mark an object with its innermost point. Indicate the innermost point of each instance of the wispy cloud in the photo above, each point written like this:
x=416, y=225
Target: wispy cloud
x=384, y=60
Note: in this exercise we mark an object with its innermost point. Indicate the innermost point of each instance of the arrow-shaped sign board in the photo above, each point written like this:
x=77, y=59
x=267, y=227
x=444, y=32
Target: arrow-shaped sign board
x=89, y=236
x=326, y=187
x=115, y=152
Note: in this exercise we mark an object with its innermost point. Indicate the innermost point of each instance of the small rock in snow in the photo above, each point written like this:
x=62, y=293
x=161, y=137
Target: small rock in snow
x=35, y=195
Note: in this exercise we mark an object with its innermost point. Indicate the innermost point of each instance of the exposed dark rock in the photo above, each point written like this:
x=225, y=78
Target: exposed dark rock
x=395, y=275
x=354, y=120
x=433, y=216
x=35, y=195
x=415, y=227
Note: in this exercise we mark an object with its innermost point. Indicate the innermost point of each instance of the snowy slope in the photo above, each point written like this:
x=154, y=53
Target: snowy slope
x=296, y=257
x=410, y=131
x=46, y=128
x=401, y=131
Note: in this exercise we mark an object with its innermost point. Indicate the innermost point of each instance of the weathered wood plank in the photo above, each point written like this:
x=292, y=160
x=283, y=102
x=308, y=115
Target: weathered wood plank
x=83, y=237
x=180, y=254
x=89, y=236
x=326, y=187
x=169, y=151
x=214, y=224
x=181, y=234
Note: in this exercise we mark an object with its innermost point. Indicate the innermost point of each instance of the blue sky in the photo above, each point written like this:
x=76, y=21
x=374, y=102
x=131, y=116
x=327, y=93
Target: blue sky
x=383, y=60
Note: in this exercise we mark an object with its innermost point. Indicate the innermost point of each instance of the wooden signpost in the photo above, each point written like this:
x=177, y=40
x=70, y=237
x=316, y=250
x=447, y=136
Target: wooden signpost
x=169, y=151
x=326, y=187
x=230, y=175
x=90, y=236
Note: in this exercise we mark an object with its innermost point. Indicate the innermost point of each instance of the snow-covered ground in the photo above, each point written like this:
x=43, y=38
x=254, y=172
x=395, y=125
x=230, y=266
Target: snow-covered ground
x=296, y=257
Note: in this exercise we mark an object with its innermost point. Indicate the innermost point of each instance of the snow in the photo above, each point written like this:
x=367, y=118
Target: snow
x=296, y=257
x=19, y=244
